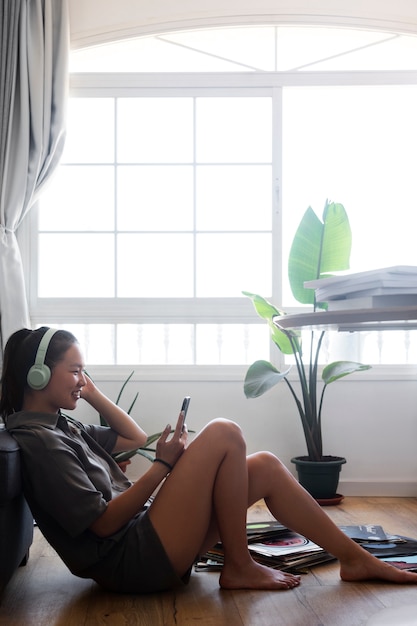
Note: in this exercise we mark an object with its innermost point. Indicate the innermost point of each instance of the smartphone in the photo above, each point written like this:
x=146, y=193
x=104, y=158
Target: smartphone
x=184, y=409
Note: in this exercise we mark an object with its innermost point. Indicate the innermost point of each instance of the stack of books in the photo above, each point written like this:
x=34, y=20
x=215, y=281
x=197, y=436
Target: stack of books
x=278, y=547
x=387, y=287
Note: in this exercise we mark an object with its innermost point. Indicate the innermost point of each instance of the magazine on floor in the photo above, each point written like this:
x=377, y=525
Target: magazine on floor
x=274, y=545
x=365, y=532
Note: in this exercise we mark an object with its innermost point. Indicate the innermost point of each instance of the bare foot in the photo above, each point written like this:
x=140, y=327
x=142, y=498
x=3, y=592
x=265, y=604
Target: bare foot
x=256, y=576
x=371, y=568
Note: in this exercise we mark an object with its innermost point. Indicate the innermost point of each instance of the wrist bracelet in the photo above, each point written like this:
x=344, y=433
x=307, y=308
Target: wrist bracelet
x=168, y=465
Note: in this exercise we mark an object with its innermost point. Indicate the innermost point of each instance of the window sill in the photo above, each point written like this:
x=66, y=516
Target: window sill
x=232, y=373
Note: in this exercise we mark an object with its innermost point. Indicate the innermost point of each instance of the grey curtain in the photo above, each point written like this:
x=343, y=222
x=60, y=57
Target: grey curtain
x=34, y=48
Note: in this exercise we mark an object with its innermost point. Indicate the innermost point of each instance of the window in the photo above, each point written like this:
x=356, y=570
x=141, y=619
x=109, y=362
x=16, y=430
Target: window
x=178, y=191
x=171, y=201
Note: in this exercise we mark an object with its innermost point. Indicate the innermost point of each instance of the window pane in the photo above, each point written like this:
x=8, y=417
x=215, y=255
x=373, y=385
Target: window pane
x=394, y=346
x=148, y=54
x=76, y=266
x=229, y=264
x=338, y=141
x=234, y=197
x=90, y=131
x=155, y=344
x=228, y=344
x=79, y=198
x=97, y=342
x=250, y=47
x=234, y=130
x=303, y=47
x=395, y=53
x=155, y=266
x=214, y=344
x=155, y=130
x=155, y=197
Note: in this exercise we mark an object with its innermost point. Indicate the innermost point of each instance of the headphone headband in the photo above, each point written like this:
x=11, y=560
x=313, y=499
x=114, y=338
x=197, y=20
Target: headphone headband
x=39, y=374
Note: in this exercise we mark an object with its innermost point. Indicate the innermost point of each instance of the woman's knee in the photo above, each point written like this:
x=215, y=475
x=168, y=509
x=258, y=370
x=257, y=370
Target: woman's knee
x=267, y=461
x=225, y=430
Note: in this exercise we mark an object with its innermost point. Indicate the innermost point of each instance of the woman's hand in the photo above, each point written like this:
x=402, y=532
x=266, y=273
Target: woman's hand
x=170, y=450
x=88, y=389
x=130, y=435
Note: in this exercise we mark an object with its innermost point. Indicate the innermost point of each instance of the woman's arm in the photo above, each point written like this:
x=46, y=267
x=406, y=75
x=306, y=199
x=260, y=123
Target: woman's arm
x=120, y=510
x=130, y=435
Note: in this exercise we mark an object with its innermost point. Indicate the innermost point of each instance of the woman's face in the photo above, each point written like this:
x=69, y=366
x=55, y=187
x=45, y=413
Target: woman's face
x=64, y=388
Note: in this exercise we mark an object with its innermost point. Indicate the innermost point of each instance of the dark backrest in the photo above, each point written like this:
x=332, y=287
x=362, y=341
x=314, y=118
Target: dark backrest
x=16, y=522
x=10, y=477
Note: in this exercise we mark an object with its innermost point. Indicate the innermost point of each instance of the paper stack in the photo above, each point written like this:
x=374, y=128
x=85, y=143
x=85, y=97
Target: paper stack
x=278, y=547
x=387, y=287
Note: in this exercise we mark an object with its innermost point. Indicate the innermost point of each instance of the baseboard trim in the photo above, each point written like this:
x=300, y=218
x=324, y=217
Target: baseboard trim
x=375, y=488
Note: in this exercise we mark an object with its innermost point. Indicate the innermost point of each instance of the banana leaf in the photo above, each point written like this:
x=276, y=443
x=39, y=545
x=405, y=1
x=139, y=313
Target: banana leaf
x=319, y=248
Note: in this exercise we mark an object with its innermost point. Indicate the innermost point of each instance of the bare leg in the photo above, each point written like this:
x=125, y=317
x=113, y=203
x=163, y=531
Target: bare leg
x=296, y=509
x=213, y=483
x=209, y=481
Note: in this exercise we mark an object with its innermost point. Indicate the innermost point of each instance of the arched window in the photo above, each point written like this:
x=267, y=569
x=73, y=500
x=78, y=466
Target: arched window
x=190, y=158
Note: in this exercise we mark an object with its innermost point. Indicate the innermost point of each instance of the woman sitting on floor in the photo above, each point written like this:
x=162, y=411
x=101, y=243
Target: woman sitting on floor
x=100, y=524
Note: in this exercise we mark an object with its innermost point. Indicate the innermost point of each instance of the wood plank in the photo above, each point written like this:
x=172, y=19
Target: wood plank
x=45, y=592
x=344, y=604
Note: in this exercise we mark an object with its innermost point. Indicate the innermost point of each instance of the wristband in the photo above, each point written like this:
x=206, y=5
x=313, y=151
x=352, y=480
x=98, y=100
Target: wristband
x=156, y=460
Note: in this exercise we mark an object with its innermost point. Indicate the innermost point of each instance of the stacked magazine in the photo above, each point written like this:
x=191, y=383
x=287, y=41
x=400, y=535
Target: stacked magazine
x=395, y=549
x=387, y=287
x=278, y=547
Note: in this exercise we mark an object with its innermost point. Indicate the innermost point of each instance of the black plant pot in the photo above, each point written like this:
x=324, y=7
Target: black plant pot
x=319, y=478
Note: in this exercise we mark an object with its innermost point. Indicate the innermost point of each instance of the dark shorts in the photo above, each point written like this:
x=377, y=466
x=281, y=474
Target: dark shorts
x=138, y=563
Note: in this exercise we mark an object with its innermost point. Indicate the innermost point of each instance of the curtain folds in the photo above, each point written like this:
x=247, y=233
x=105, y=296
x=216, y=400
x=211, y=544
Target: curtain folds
x=34, y=51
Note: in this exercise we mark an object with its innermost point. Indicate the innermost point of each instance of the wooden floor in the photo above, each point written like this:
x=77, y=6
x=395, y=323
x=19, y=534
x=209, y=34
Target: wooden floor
x=44, y=593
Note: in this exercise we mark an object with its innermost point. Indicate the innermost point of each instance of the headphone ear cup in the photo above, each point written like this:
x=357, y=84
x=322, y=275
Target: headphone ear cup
x=38, y=376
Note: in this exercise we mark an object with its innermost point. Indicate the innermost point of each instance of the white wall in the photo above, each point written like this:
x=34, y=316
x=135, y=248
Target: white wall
x=369, y=420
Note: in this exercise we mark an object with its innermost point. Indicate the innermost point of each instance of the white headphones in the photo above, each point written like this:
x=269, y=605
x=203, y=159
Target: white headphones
x=39, y=374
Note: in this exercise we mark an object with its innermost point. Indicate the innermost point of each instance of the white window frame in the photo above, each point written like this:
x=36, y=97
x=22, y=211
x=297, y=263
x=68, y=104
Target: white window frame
x=219, y=310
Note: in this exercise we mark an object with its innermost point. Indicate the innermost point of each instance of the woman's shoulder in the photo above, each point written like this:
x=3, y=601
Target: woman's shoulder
x=24, y=420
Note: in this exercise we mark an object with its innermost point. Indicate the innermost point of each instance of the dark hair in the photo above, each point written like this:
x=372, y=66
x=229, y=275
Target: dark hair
x=19, y=356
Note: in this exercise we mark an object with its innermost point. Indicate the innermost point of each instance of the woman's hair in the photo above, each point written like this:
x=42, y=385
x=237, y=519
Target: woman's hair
x=19, y=356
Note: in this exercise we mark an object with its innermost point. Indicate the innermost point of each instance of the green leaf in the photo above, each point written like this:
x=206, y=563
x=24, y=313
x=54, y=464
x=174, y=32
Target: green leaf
x=129, y=410
x=339, y=369
x=260, y=377
x=264, y=309
x=146, y=454
x=318, y=249
x=119, y=457
x=123, y=386
x=268, y=311
x=151, y=439
x=282, y=339
x=337, y=239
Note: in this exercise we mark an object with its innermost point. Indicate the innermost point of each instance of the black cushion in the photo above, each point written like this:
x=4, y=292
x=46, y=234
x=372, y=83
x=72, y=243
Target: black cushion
x=16, y=522
x=10, y=478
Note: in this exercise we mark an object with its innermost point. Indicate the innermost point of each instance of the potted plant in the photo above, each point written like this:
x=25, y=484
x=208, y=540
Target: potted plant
x=319, y=248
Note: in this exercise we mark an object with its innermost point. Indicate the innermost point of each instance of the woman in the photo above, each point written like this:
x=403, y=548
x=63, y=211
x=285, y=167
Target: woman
x=98, y=521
